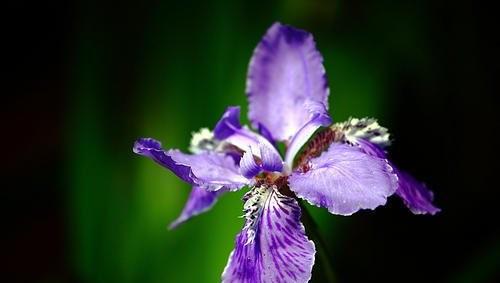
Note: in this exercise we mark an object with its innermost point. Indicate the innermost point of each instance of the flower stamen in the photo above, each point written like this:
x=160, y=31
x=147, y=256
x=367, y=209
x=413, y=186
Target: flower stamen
x=316, y=146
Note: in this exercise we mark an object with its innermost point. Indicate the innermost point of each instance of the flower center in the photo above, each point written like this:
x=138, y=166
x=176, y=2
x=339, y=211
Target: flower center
x=321, y=141
x=277, y=181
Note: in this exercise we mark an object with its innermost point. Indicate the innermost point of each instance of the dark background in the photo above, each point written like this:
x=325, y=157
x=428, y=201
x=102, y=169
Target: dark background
x=84, y=79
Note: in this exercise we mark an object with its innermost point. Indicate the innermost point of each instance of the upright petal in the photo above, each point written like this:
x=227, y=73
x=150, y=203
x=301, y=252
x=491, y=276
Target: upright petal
x=199, y=201
x=229, y=130
x=228, y=124
x=416, y=196
x=286, y=81
x=248, y=166
x=344, y=180
x=271, y=159
x=303, y=135
x=273, y=246
x=209, y=170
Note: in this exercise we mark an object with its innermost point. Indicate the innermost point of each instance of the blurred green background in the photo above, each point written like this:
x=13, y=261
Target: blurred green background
x=92, y=76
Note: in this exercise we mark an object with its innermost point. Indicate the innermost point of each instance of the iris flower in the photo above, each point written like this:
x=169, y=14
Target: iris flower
x=342, y=167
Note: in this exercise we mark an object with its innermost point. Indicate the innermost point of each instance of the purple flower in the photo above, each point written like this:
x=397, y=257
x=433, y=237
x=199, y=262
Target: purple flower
x=342, y=167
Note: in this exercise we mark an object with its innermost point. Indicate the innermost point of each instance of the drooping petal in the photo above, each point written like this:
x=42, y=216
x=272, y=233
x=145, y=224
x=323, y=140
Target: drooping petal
x=209, y=170
x=229, y=130
x=286, y=82
x=303, y=135
x=369, y=148
x=273, y=246
x=344, y=180
x=152, y=148
x=416, y=196
x=199, y=201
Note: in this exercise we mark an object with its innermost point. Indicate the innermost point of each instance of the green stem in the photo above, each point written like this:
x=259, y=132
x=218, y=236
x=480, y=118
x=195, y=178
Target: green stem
x=325, y=261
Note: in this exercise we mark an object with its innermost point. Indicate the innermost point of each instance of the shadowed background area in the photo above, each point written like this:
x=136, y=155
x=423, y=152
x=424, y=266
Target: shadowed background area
x=86, y=78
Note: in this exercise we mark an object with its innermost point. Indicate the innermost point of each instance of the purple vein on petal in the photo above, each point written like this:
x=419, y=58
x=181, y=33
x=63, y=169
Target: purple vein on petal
x=344, y=179
x=265, y=253
x=210, y=170
x=285, y=73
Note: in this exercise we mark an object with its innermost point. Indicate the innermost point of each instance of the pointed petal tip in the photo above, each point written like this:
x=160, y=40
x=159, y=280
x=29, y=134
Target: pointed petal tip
x=199, y=201
x=425, y=209
x=174, y=224
x=211, y=170
x=415, y=195
x=429, y=211
x=143, y=145
x=228, y=123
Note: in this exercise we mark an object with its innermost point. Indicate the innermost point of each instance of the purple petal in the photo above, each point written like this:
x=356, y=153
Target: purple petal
x=271, y=159
x=228, y=124
x=303, y=136
x=248, y=167
x=229, y=130
x=344, y=180
x=273, y=246
x=416, y=196
x=152, y=148
x=209, y=170
x=286, y=82
x=370, y=148
x=266, y=134
x=199, y=201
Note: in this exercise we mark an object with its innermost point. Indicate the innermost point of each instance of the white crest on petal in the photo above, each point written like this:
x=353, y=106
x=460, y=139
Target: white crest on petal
x=203, y=140
x=255, y=200
x=364, y=128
